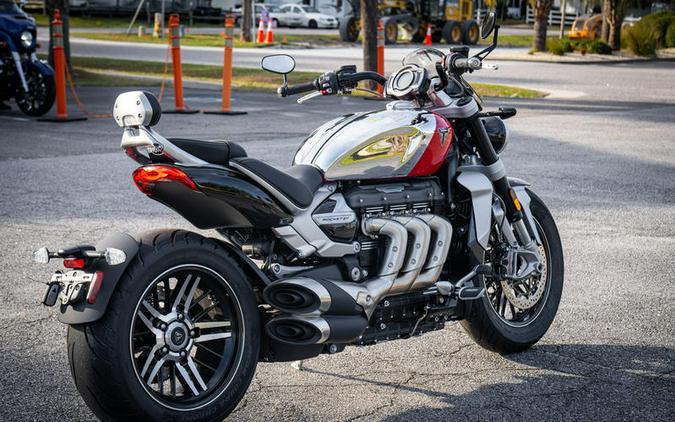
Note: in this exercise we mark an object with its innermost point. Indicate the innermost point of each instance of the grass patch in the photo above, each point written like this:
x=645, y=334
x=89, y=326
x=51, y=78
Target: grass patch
x=211, y=40
x=88, y=72
x=82, y=22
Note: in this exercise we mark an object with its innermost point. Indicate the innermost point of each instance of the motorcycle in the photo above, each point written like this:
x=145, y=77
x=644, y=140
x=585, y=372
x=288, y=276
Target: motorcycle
x=23, y=76
x=388, y=225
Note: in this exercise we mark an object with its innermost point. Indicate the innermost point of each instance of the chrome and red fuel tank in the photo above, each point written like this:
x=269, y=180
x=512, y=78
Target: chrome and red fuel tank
x=378, y=145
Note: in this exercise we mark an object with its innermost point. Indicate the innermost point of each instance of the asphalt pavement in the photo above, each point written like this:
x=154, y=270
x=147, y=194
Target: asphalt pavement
x=605, y=165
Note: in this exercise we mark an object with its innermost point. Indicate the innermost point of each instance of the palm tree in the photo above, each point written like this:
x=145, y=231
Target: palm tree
x=541, y=9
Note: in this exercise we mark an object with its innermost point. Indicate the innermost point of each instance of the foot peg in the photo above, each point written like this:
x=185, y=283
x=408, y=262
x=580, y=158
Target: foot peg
x=470, y=293
x=465, y=293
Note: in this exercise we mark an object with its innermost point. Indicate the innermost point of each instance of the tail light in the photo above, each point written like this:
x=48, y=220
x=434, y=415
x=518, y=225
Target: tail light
x=75, y=263
x=146, y=177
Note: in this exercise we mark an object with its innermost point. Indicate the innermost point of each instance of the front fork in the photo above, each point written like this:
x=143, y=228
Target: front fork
x=19, y=70
x=516, y=216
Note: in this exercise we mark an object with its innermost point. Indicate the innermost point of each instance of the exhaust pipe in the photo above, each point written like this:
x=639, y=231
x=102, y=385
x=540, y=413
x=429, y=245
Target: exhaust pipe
x=304, y=330
x=438, y=251
x=303, y=295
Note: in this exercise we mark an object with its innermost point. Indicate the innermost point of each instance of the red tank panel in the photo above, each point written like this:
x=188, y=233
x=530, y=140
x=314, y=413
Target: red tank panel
x=433, y=157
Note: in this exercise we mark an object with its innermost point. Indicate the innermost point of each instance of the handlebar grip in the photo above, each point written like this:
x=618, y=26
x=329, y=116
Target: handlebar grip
x=472, y=63
x=298, y=89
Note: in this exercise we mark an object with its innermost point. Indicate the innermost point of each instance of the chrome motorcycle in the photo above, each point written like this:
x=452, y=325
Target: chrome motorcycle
x=388, y=225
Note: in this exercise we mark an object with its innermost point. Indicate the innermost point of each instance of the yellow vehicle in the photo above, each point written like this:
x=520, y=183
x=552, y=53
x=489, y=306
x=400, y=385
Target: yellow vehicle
x=450, y=20
x=585, y=28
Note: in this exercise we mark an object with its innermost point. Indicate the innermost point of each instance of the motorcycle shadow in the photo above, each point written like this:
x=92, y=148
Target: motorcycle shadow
x=550, y=382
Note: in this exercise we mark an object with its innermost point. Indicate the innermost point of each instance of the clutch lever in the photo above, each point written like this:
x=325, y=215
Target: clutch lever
x=309, y=96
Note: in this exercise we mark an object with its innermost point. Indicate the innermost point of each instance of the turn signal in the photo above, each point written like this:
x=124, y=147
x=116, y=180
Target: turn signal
x=146, y=177
x=516, y=202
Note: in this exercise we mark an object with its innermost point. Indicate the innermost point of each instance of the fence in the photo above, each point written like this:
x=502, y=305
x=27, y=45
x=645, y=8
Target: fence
x=554, y=17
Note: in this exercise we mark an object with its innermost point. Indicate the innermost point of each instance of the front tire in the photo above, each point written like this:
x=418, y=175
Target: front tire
x=496, y=332
x=179, y=340
x=40, y=96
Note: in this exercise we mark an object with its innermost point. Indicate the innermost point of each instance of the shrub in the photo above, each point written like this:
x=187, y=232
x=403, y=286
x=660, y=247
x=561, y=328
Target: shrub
x=641, y=41
x=670, y=36
x=599, y=47
x=658, y=23
x=558, y=47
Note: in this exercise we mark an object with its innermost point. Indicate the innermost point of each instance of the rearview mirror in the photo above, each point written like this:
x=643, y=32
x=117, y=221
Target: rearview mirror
x=282, y=64
x=487, y=25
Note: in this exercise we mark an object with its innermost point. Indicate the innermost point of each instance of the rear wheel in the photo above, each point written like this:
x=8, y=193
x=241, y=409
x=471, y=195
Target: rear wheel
x=511, y=317
x=312, y=24
x=180, y=337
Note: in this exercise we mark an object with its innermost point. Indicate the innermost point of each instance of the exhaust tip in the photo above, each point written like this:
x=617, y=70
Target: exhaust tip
x=297, y=296
x=298, y=330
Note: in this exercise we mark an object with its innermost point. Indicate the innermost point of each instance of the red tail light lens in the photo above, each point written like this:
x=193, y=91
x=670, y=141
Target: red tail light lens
x=146, y=177
x=76, y=263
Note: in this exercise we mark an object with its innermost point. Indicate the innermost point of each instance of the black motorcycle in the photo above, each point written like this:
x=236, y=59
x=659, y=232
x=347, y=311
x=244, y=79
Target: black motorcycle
x=23, y=76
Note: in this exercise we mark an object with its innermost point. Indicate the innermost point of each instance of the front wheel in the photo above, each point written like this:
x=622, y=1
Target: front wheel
x=179, y=340
x=511, y=317
x=40, y=96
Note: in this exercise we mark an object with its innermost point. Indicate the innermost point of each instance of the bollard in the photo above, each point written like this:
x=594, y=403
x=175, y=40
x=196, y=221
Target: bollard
x=380, y=52
x=59, y=73
x=227, y=71
x=141, y=31
x=174, y=39
x=157, y=28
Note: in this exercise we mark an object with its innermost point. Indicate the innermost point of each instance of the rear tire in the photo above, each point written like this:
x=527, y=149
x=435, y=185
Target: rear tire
x=103, y=358
x=390, y=31
x=489, y=330
x=312, y=24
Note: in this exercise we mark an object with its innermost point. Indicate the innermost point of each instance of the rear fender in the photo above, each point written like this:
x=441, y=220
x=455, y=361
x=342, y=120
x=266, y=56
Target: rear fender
x=84, y=313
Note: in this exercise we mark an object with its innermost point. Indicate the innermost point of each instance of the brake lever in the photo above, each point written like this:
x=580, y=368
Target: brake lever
x=309, y=96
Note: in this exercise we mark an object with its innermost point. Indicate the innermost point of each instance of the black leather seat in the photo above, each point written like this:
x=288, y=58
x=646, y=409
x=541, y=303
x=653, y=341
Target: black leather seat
x=216, y=152
x=297, y=183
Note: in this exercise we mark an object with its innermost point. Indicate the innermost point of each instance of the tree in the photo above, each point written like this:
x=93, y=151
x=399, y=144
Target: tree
x=369, y=16
x=604, y=31
x=246, y=20
x=61, y=5
x=541, y=9
x=613, y=14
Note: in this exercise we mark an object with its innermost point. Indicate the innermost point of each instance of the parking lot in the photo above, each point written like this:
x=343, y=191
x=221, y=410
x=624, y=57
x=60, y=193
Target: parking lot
x=605, y=165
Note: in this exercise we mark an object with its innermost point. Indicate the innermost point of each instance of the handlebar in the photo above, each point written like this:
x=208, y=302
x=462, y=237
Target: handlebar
x=470, y=63
x=285, y=91
x=332, y=82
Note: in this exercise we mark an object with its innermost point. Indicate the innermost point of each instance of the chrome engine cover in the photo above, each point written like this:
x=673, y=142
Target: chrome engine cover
x=372, y=145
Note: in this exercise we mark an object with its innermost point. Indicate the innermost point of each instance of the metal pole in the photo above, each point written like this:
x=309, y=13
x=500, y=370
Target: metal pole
x=161, y=33
x=133, y=20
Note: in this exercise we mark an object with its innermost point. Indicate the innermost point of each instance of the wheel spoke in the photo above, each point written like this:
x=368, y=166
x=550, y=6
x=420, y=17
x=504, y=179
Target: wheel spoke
x=211, y=337
x=212, y=324
x=155, y=370
x=195, y=373
x=187, y=379
x=191, y=294
x=180, y=297
x=155, y=313
x=149, y=360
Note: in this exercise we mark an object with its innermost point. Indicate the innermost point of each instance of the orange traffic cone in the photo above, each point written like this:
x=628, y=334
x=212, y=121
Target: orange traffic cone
x=261, y=33
x=427, y=39
x=270, y=35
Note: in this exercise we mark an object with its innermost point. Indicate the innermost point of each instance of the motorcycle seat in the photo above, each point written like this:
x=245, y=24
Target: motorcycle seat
x=297, y=183
x=216, y=152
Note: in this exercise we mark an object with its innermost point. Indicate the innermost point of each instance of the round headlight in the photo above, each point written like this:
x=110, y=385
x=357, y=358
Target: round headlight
x=26, y=39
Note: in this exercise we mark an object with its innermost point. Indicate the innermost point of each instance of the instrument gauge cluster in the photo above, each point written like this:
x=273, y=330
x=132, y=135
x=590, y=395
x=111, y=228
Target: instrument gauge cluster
x=407, y=82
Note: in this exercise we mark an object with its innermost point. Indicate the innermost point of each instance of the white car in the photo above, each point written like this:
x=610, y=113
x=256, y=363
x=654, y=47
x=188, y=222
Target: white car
x=306, y=16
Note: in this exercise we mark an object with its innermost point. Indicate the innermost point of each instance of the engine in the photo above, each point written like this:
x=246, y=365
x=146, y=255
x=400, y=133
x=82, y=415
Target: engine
x=403, y=244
